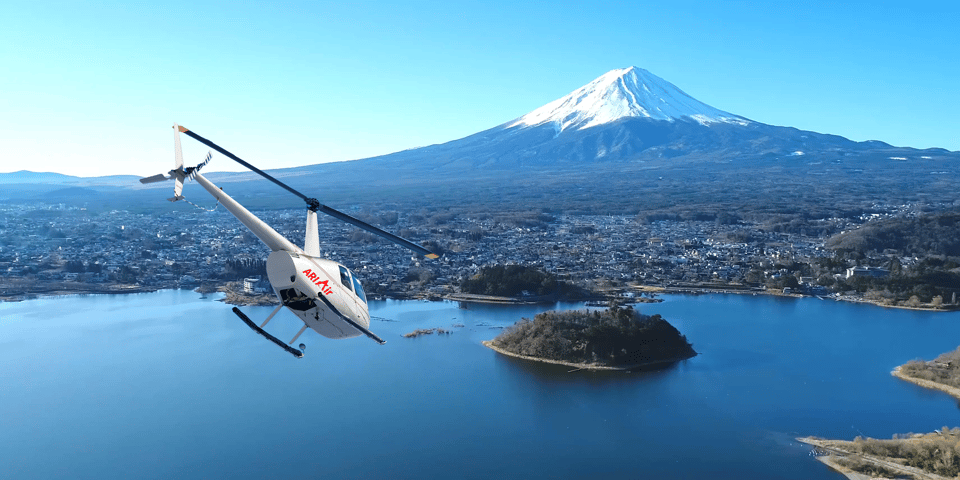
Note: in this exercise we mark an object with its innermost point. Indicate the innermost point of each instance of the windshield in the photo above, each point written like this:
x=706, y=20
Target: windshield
x=359, y=289
x=345, y=277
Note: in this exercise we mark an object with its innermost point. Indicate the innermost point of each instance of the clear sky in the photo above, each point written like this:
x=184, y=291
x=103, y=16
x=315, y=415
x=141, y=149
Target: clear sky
x=91, y=89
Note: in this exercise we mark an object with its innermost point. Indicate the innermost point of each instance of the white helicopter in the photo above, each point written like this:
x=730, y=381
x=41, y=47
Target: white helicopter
x=322, y=293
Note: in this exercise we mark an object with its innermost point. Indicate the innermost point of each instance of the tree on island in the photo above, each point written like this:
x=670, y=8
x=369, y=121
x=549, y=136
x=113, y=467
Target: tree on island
x=613, y=337
x=514, y=280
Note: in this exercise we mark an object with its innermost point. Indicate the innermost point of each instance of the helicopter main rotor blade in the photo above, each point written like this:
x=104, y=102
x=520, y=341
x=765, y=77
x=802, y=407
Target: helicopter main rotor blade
x=376, y=231
x=241, y=162
x=315, y=205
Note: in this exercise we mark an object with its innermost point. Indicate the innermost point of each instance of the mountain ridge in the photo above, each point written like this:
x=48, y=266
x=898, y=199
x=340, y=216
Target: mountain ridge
x=622, y=162
x=602, y=122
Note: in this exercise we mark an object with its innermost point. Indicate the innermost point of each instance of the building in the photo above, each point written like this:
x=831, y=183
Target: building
x=254, y=285
x=875, y=272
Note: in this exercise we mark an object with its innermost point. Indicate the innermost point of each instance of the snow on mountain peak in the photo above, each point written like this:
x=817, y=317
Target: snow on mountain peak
x=627, y=92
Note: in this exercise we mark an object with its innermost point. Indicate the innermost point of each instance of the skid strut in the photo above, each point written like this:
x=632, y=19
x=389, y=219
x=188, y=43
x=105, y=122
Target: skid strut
x=288, y=348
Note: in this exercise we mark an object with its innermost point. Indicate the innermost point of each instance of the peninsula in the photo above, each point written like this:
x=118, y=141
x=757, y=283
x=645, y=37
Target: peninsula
x=941, y=373
x=930, y=456
x=617, y=338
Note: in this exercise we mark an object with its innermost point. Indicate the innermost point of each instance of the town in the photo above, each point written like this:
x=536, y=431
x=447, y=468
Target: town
x=59, y=249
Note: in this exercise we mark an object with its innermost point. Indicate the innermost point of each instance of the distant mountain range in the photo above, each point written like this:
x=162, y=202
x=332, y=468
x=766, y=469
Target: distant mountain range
x=629, y=128
x=628, y=116
x=26, y=177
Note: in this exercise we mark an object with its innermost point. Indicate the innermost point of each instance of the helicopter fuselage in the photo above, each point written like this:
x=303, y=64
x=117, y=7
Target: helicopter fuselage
x=322, y=293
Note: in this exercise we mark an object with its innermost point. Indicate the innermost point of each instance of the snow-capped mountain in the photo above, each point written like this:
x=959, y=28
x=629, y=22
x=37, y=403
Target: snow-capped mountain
x=624, y=93
x=627, y=115
x=629, y=140
x=624, y=120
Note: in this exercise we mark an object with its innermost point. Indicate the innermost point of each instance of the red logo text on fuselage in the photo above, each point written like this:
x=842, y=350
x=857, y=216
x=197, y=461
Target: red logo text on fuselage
x=323, y=284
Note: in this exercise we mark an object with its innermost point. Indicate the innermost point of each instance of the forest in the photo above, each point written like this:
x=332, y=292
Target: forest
x=518, y=280
x=920, y=236
x=614, y=337
x=933, y=240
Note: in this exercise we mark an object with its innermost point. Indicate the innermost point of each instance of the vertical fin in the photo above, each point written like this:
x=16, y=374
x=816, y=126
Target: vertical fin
x=178, y=153
x=178, y=165
x=311, y=244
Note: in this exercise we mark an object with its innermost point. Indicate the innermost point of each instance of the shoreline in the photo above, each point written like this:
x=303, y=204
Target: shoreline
x=469, y=297
x=81, y=289
x=832, y=452
x=580, y=366
x=830, y=459
x=951, y=390
x=774, y=293
x=119, y=289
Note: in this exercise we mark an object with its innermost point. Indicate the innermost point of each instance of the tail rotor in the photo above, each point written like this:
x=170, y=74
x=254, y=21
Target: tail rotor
x=179, y=173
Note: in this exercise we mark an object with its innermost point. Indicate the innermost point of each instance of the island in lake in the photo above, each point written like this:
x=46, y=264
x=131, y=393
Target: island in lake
x=617, y=338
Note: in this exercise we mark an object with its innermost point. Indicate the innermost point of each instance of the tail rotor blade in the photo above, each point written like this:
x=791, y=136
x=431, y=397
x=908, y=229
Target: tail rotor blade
x=177, y=152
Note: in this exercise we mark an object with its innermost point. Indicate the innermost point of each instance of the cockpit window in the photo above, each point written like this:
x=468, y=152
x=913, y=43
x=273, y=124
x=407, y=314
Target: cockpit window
x=359, y=289
x=345, y=277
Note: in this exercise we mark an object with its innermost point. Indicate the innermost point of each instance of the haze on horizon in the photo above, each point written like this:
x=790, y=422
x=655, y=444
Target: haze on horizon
x=95, y=89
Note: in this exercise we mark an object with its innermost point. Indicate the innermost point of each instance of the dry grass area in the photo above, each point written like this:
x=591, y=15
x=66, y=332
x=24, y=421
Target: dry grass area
x=924, y=456
x=944, y=369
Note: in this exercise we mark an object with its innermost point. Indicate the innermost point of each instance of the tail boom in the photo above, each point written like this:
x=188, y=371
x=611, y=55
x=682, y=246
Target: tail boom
x=273, y=240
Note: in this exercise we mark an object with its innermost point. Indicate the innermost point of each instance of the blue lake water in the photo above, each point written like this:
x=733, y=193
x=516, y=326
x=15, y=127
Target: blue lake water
x=167, y=384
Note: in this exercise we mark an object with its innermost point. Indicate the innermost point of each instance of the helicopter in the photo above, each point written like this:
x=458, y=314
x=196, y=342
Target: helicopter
x=322, y=293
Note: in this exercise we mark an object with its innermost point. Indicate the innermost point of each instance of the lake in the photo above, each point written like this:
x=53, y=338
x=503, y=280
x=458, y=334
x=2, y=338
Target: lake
x=168, y=384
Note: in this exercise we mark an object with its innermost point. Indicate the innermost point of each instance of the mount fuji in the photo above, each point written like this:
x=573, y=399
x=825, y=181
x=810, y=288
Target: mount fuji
x=628, y=93
x=631, y=140
x=628, y=140
x=624, y=117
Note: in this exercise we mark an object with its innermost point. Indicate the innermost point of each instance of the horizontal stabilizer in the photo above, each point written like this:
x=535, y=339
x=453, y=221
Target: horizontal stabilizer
x=154, y=179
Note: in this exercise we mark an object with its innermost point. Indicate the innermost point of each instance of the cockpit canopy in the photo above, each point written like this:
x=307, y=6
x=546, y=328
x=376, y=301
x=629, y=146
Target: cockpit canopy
x=350, y=282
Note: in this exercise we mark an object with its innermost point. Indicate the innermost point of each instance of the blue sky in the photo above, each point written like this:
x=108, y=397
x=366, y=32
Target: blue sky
x=92, y=89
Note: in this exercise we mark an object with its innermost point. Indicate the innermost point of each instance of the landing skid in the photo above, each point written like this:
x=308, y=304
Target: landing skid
x=288, y=348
